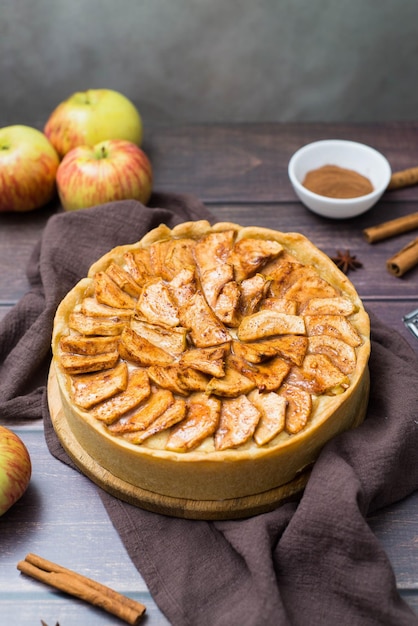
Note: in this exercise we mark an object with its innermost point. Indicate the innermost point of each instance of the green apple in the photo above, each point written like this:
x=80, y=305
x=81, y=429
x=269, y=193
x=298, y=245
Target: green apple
x=15, y=468
x=88, y=117
x=28, y=165
x=110, y=170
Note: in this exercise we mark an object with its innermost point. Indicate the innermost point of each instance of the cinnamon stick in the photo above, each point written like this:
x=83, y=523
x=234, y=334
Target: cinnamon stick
x=404, y=260
x=404, y=178
x=391, y=228
x=83, y=588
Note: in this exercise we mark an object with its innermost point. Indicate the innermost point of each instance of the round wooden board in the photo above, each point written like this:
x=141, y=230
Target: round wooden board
x=235, y=508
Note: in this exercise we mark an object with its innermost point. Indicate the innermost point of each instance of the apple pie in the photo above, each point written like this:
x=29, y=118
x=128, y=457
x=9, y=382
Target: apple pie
x=211, y=362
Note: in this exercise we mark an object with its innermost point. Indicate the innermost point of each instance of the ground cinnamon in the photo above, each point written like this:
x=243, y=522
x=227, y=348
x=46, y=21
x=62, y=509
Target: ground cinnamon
x=333, y=181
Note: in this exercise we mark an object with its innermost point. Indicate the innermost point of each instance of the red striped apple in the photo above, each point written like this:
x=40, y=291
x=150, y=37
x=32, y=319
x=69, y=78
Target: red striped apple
x=15, y=468
x=89, y=117
x=28, y=164
x=110, y=170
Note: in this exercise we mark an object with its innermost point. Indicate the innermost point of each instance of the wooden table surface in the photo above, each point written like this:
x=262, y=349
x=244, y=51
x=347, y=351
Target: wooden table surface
x=240, y=172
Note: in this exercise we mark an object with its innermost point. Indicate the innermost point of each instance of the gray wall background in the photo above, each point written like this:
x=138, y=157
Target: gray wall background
x=213, y=60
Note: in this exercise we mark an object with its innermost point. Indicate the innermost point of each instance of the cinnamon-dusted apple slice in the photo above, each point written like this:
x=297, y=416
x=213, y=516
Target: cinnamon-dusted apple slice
x=281, y=305
x=334, y=326
x=137, y=390
x=192, y=380
x=298, y=409
x=123, y=279
x=201, y=421
x=138, y=265
x=108, y=292
x=143, y=417
x=340, y=353
x=237, y=423
x=167, y=378
x=222, y=293
x=171, y=340
x=267, y=376
x=318, y=375
x=253, y=291
x=299, y=282
x=173, y=415
x=78, y=344
x=89, y=325
x=205, y=329
x=208, y=360
x=307, y=284
x=339, y=305
x=250, y=255
x=170, y=256
x=227, y=304
x=267, y=323
x=90, y=389
x=214, y=279
x=183, y=286
x=233, y=384
x=290, y=347
x=272, y=408
x=281, y=271
x=89, y=306
x=156, y=304
x=84, y=363
x=137, y=349
x=213, y=250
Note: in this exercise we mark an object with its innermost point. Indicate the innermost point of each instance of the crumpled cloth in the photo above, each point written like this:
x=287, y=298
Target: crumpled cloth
x=313, y=561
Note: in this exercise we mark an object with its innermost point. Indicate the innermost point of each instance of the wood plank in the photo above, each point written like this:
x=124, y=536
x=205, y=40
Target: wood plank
x=248, y=162
x=395, y=527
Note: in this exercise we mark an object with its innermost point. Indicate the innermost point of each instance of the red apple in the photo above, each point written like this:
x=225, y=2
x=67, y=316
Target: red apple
x=28, y=164
x=110, y=170
x=89, y=117
x=15, y=469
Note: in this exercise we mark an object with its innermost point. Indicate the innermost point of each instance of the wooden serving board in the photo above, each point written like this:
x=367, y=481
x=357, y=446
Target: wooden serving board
x=235, y=508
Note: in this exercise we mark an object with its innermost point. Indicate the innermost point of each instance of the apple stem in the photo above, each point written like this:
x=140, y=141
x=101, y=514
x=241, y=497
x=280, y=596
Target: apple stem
x=103, y=152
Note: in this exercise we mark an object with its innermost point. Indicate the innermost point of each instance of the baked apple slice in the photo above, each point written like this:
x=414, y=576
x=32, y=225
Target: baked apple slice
x=84, y=363
x=108, y=292
x=267, y=323
x=143, y=417
x=136, y=349
x=333, y=326
x=298, y=409
x=90, y=389
x=137, y=390
x=201, y=421
x=171, y=416
x=272, y=408
x=238, y=421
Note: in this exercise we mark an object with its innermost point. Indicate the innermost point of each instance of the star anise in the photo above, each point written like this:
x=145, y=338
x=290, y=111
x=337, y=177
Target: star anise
x=346, y=261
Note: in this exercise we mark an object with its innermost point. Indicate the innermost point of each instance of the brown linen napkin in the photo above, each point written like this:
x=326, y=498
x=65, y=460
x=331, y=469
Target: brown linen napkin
x=312, y=562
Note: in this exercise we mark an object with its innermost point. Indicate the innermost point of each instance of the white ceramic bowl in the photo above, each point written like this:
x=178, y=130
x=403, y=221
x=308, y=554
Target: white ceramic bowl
x=347, y=154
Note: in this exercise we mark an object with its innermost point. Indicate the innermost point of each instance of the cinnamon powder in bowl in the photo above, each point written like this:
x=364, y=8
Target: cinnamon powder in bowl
x=337, y=178
x=337, y=182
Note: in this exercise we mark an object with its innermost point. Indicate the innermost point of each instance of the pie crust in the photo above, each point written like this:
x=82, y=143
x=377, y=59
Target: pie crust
x=254, y=322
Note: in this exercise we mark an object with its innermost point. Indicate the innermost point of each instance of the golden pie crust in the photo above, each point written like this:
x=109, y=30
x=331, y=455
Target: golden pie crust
x=211, y=362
